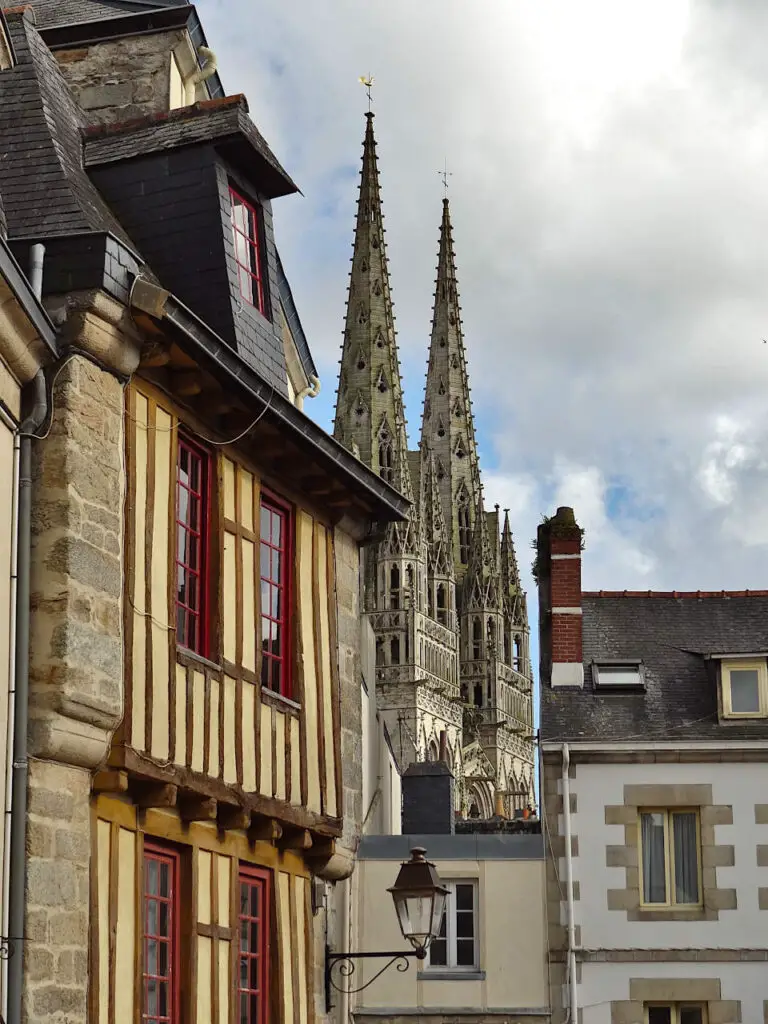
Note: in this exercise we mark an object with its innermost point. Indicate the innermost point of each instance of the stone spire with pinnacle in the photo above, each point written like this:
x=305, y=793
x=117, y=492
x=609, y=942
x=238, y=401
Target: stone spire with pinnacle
x=514, y=598
x=482, y=579
x=370, y=415
x=447, y=426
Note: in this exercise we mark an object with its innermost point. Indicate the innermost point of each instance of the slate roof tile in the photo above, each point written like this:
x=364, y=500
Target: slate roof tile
x=50, y=13
x=672, y=635
x=43, y=183
x=208, y=121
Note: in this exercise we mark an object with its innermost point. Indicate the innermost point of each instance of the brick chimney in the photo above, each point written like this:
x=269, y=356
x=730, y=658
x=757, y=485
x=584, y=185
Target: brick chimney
x=558, y=571
x=427, y=788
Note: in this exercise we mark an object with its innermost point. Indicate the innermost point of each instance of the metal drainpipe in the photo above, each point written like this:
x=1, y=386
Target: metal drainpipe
x=13, y=426
x=573, y=995
x=18, y=858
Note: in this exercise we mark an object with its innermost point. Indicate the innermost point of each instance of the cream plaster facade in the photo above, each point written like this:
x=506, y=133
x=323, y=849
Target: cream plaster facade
x=511, y=983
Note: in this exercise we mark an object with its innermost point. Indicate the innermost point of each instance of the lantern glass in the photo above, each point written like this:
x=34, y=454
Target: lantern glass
x=419, y=899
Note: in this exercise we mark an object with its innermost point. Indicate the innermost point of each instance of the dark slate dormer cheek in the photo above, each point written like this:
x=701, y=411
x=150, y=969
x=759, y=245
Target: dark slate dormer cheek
x=258, y=337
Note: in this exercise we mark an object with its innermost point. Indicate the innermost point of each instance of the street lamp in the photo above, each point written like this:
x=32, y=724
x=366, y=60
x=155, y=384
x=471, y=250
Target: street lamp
x=419, y=898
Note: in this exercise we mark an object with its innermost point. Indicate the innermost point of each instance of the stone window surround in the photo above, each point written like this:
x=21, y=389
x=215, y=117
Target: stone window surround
x=761, y=818
x=713, y=856
x=675, y=990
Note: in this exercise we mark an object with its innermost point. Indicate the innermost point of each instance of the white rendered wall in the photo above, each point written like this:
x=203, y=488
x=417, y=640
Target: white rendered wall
x=603, y=983
x=738, y=785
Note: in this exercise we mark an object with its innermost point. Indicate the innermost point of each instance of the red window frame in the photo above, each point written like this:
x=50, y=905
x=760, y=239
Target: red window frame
x=165, y=936
x=192, y=548
x=276, y=621
x=253, y=956
x=248, y=251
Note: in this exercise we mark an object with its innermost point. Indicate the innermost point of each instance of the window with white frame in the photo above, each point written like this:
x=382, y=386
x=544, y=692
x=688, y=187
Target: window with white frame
x=745, y=688
x=675, y=1013
x=456, y=945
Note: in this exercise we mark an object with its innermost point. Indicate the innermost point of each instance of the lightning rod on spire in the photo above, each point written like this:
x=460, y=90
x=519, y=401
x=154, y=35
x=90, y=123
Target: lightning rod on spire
x=445, y=174
x=367, y=81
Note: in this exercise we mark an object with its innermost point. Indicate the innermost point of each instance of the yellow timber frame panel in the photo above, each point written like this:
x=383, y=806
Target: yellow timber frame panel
x=211, y=718
x=209, y=918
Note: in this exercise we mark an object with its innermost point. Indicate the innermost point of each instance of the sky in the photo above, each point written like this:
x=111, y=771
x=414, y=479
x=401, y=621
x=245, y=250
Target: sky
x=609, y=198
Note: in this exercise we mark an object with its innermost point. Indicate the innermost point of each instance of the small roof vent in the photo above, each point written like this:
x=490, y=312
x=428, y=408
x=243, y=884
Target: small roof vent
x=618, y=675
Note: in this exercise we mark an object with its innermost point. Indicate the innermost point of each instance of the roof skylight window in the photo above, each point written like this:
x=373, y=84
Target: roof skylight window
x=615, y=675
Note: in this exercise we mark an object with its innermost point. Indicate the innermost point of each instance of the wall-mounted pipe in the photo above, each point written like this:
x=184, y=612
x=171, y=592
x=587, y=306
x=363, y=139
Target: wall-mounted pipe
x=18, y=853
x=312, y=391
x=209, y=68
x=12, y=426
x=36, y=261
x=573, y=995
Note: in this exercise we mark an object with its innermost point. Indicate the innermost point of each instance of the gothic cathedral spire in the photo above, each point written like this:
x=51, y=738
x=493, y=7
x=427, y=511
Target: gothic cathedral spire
x=447, y=426
x=370, y=416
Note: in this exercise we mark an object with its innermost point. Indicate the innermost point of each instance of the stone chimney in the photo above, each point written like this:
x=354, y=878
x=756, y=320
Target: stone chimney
x=558, y=572
x=427, y=799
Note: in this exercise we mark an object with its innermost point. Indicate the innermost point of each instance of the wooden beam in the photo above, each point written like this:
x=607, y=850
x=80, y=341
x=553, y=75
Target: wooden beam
x=142, y=770
x=110, y=782
x=187, y=383
x=296, y=839
x=317, y=485
x=197, y=808
x=264, y=829
x=323, y=848
x=233, y=818
x=156, y=357
x=163, y=795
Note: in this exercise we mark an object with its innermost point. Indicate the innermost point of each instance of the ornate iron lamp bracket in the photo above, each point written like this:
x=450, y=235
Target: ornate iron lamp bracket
x=343, y=964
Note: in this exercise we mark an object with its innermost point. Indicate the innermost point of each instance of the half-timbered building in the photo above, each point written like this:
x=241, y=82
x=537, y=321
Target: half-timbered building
x=195, y=702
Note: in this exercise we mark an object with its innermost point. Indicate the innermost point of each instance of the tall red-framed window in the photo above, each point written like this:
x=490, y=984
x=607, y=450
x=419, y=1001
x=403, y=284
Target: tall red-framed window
x=246, y=227
x=276, y=524
x=192, y=515
x=253, y=977
x=161, y=996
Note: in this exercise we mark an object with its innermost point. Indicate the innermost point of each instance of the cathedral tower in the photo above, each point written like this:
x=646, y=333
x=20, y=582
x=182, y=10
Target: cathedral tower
x=409, y=584
x=447, y=426
x=442, y=590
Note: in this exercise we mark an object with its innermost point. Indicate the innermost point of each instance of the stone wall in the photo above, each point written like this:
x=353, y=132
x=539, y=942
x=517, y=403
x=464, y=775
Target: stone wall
x=331, y=922
x=76, y=674
x=58, y=848
x=348, y=621
x=122, y=79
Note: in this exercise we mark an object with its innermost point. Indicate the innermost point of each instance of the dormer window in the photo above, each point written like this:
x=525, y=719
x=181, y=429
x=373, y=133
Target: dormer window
x=745, y=688
x=246, y=228
x=615, y=675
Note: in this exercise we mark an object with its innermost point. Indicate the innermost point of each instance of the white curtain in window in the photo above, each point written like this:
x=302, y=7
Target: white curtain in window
x=686, y=860
x=654, y=878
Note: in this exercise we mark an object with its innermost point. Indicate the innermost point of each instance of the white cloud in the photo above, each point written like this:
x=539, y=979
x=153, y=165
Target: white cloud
x=611, y=225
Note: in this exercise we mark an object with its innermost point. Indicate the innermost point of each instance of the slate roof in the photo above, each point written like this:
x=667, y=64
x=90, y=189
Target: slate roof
x=294, y=321
x=52, y=13
x=44, y=186
x=210, y=121
x=671, y=634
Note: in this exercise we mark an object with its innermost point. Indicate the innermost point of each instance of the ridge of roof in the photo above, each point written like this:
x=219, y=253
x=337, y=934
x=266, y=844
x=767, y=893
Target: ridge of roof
x=96, y=131
x=675, y=593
